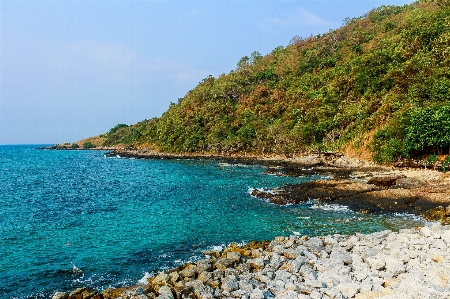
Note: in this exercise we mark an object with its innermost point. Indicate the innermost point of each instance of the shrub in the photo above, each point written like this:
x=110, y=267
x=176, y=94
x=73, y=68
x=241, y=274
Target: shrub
x=446, y=164
x=428, y=127
x=88, y=145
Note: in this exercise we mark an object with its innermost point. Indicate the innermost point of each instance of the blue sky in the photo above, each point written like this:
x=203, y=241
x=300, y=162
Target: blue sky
x=74, y=69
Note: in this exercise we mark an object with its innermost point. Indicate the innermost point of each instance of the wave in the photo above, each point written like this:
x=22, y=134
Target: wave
x=144, y=279
x=316, y=204
x=413, y=217
x=263, y=189
x=225, y=164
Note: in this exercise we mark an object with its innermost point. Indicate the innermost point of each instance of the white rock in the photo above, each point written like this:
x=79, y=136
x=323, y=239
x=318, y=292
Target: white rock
x=349, y=289
x=257, y=294
x=245, y=285
x=425, y=231
x=376, y=263
x=165, y=292
x=297, y=263
x=230, y=285
x=257, y=263
x=365, y=287
x=287, y=295
x=446, y=237
x=60, y=295
x=315, y=295
x=394, y=266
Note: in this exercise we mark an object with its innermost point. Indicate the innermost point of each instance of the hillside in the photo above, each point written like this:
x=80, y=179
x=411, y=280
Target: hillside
x=378, y=87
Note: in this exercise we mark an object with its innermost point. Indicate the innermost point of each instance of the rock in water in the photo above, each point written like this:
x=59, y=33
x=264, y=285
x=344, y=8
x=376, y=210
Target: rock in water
x=60, y=295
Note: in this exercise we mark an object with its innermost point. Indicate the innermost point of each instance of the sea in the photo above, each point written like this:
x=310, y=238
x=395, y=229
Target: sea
x=77, y=218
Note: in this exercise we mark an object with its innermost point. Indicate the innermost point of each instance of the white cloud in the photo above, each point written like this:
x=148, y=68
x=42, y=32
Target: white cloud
x=92, y=60
x=301, y=17
x=180, y=71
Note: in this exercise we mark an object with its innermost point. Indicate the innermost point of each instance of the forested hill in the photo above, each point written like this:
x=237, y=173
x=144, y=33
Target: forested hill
x=380, y=84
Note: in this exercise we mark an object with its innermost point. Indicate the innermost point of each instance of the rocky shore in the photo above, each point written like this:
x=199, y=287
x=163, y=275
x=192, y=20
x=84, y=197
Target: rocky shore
x=411, y=263
x=360, y=185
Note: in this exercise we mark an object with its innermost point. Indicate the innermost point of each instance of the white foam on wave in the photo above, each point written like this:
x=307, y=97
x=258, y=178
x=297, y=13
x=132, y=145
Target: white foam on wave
x=75, y=268
x=356, y=179
x=265, y=190
x=349, y=220
x=217, y=247
x=191, y=259
x=225, y=164
x=413, y=217
x=317, y=205
x=144, y=279
x=165, y=255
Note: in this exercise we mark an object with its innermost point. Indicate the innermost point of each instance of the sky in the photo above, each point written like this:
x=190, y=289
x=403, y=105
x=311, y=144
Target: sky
x=74, y=69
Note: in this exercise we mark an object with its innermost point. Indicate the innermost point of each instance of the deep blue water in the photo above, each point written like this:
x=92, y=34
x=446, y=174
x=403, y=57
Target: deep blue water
x=74, y=218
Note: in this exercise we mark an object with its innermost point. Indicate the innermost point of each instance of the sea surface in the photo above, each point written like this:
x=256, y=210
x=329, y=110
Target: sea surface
x=76, y=218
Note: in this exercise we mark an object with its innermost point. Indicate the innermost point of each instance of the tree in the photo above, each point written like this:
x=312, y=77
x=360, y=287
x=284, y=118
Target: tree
x=429, y=127
x=88, y=145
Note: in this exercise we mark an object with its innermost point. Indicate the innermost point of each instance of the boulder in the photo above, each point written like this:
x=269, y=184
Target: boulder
x=165, y=293
x=60, y=295
x=189, y=271
x=224, y=263
x=205, y=276
x=385, y=181
x=394, y=266
x=83, y=293
x=257, y=294
x=230, y=285
x=257, y=263
x=204, y=265
x=349, y=289
x=236, y=256
x=287, y=295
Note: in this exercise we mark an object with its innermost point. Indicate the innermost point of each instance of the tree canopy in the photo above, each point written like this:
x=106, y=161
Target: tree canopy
x=380, y=83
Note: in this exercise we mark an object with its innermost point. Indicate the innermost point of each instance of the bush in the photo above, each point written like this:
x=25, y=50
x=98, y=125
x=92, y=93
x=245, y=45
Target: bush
x=446, y=164
x=88, y=145
x=428, y=127
x=74, y=146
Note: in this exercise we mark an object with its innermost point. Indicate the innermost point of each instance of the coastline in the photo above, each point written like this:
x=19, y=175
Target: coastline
x=242, y=272
x=360, y=185
x=413, y=263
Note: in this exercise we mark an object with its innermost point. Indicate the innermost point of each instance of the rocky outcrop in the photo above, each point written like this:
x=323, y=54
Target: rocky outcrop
x=392, y=193
x=413, y=263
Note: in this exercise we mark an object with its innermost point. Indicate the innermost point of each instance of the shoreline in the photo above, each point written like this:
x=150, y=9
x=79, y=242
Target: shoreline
x=351, y=179
x=360, y=185
x=411, y=263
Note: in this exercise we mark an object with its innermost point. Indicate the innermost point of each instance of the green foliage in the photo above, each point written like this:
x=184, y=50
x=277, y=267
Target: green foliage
x=432, y=159
x=383, y=79
x=116, y=128
x=446, y=164
x=388, y=146
x=88, y=145
x=74, y=146
x=428, y=127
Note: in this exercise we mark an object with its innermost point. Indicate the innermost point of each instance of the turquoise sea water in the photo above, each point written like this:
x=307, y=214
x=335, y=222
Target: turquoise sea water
x=74, y=218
